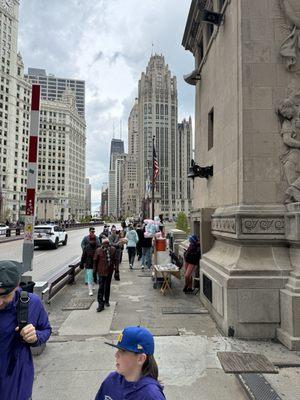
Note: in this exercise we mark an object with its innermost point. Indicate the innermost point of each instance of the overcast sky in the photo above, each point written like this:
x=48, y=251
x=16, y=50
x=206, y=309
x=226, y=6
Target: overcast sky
x=108, y=44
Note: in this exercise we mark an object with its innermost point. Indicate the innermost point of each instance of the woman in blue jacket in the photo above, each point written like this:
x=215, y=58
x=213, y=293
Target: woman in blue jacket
x=136, y=376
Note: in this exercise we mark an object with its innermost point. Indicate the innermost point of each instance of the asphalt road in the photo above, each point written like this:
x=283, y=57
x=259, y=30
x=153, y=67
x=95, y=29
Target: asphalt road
x=47, y=261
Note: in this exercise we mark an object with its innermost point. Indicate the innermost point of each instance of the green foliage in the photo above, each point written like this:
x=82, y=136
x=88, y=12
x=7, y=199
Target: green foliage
x=182, y=222
x=87, y=218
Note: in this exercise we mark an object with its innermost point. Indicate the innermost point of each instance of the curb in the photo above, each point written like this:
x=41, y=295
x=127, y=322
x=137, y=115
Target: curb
x=13, y=239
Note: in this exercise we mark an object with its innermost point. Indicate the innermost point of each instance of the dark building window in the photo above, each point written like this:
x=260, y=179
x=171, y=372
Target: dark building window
x=221, y=4
x=210, y=129
x=210, y=31
x=207, y=288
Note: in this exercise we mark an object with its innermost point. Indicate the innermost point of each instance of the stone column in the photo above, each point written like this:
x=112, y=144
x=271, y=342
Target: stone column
x=289, y=331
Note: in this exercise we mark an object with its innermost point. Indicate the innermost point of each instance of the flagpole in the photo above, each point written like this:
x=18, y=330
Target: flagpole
x=153, y=177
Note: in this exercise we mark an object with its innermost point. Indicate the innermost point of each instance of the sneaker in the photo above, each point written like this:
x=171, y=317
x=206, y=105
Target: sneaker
x=91, y=292
x=130, y=266
x=107, y=304
x=189, y=291
x=142, y=267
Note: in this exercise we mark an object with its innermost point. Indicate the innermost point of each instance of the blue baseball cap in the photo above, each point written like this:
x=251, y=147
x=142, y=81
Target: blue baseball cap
x=136, y=340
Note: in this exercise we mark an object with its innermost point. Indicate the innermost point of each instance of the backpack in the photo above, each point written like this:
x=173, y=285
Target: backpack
x=22, y=310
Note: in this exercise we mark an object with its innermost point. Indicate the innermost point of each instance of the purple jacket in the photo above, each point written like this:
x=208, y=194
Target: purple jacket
x=16, y=366
x=115, y=387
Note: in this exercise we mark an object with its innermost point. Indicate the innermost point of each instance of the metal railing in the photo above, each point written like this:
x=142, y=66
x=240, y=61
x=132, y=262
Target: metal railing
x=65, y=276
x=8, y=232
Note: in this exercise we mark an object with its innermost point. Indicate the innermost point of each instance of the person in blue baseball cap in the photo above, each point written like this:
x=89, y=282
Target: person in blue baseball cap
x=136, y=375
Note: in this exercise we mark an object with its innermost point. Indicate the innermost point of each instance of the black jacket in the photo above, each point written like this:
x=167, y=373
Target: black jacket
x=145, y=242
x=87, y=258
x=193, y=254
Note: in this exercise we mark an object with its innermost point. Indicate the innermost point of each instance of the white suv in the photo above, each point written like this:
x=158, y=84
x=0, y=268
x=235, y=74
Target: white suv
x=50, y=235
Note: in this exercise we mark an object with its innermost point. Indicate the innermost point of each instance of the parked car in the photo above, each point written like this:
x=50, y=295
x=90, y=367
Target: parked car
x=3, y=228
x=49, y=235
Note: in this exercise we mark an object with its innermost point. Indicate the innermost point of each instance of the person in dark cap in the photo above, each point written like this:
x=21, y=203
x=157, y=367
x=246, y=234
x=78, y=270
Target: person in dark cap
x=136, y=375
x=191, y=257
x=16, y=365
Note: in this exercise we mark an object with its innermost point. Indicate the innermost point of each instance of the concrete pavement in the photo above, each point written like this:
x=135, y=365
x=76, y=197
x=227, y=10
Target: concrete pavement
x=76, y=359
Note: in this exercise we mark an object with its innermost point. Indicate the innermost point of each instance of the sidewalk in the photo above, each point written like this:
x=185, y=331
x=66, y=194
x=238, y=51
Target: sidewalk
x=76, y=359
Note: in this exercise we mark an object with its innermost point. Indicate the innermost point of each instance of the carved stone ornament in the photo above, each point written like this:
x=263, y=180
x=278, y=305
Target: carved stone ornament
x=289, y=116
x=266, y=226
x=224, y=225
x=290, y=48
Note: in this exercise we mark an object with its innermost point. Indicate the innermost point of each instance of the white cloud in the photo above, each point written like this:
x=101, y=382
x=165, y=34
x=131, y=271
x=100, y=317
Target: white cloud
x=108, y=44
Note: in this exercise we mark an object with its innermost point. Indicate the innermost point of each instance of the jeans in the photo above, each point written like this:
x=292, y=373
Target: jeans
x=147, y=256
x=131, y=254
x=104, y=289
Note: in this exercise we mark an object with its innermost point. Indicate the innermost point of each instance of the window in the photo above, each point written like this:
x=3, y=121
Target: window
x=221, y=4
x=210, y=129
x=210, y=30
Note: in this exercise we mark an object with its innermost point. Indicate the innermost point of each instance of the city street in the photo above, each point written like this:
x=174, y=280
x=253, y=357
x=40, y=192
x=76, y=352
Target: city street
x=46, y=260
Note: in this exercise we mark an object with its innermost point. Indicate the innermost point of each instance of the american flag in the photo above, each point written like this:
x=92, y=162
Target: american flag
x=155, y=165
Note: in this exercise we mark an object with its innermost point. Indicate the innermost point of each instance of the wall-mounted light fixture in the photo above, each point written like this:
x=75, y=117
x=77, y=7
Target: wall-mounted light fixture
x=195, y=171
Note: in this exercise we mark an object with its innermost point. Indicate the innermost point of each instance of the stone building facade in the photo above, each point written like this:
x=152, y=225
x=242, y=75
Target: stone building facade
x=61, y=158
x=184, y=156
x=115, y=177
x=15, y=95
x=104, y=200
x=157, y=112
x=52, y=87
x=130, y=200
x=247, y=108
x=88, y=197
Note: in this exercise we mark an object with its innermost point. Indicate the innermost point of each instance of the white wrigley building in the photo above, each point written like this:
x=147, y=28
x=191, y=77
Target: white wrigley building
x=62, y=141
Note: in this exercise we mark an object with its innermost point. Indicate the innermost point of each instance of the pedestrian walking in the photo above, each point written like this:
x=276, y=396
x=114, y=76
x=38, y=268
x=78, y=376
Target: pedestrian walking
x=87, y=261
x=191, y=257
x=140, y=233
x=85, y=240
x=114, y=240
x=136, y=375
x=23, y=324
x=105, y=233
x=104, y=262
x=132, y=240
x=146, y=244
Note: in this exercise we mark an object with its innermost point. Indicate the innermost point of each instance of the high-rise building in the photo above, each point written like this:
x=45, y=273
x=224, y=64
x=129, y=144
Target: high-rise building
x=184, y=156
x=114, y=178
x=88, y=197
x=133, y=130
x=61, y=157
x=119, y=171
x=15, y=95
x=157, y=113
x=52, y=88
x=130, y=200
x=116, y=148
x=104, y=200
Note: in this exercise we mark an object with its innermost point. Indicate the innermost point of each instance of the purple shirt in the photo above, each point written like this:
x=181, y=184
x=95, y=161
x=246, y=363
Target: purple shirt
x=115, y=387
x=16, y=366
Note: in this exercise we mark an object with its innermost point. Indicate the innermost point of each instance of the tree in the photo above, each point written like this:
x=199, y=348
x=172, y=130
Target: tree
x=182, y=222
